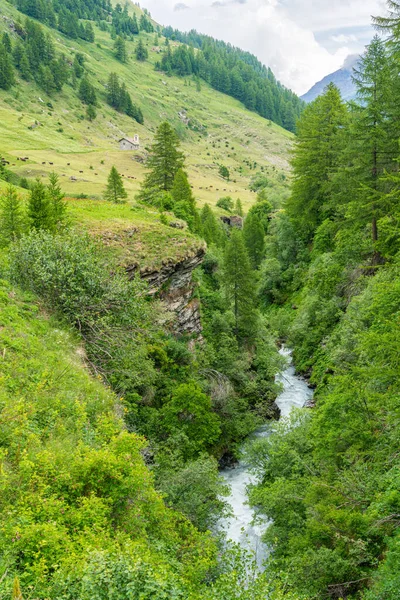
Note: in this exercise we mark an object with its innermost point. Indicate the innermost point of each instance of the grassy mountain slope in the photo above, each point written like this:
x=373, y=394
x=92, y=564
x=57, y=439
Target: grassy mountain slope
x=229, y=135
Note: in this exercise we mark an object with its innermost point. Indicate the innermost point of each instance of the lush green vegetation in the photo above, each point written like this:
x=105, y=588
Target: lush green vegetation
x=234, y=72
x=193, y=405
x=330, y=282
x=112, y=426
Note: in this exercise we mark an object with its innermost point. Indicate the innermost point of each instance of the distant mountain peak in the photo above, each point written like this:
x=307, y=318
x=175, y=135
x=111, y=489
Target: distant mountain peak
x=342, y=78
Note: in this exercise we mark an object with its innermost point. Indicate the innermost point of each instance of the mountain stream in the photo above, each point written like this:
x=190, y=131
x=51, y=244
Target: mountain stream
x=240, y=527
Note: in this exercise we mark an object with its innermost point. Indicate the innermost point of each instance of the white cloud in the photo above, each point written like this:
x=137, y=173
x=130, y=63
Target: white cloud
x=282, y=33
x=344, y=39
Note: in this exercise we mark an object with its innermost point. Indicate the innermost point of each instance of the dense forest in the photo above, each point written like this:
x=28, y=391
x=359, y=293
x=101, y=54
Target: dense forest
x=233, y=72
x=330, y=284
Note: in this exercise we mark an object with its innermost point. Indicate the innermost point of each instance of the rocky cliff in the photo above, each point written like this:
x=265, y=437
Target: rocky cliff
x=173, y=284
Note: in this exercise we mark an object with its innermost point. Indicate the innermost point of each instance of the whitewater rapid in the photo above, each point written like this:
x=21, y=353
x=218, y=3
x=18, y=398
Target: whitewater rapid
x=240, y=528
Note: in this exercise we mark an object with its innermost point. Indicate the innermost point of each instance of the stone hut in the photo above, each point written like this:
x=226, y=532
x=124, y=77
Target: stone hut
x=128, y=143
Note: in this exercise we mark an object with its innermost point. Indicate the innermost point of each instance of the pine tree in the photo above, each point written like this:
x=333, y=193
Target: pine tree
x=58, y=206
x=184, y=202
x=141, y=51
x=316, y=159
x=6, y=69
x=240, y=287
x=120, y=50
x=11, y=216
x=164, y=162
x=39, y=208
x=253, y=234
x=115, y=191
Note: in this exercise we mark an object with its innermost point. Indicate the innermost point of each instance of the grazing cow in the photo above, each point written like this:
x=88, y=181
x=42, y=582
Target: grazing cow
x=68, y=164
x=80, y=171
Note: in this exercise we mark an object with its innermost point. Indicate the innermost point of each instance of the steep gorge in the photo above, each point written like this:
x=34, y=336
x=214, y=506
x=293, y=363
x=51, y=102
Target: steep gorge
x=173, y=284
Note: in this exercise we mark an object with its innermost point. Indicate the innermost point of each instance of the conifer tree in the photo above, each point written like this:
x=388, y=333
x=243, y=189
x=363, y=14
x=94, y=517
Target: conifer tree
x=39, y=208
x=141, y=51
x=239, y=207
x=6, y=41
x=184, y=202
x=164, y=162
x=253, y=234
x=24, y=67
x=316, y=159
x=77, y=65
x=373, y=136
x=91, y=113
x=6, y=69
x=120, y=50
x=11, y=216
x=224, y=172
x=86, y=92
x=132, y=110
x=211, y=229
x=240, y=286
x=58, y=205
x=113, y=91
x=115, y=191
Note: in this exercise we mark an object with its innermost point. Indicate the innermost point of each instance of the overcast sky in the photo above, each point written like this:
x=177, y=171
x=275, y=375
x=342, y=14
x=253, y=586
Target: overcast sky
x=301, y=40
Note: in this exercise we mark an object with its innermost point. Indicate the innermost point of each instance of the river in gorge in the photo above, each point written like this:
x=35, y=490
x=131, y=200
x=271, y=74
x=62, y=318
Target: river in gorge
x=240, y=527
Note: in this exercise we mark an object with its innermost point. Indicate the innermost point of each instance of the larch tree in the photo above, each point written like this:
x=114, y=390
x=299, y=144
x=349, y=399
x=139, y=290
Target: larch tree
x=240, y=287
x=374, y=135
x=164, y=162
x=211, y=229
x=87, y=92
x=120, y=50
x=7, y=78
x=115, y=191
x=253, y=234
x=315, y=160
x=57, y=202
x=39, y=207
x=113, y=91
x=141, y=51
x=12, y=222
x=239, y=207
x=184, y=202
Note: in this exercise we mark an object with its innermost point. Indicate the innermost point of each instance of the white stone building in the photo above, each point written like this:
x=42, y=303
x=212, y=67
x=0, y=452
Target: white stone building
x=127, y=143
